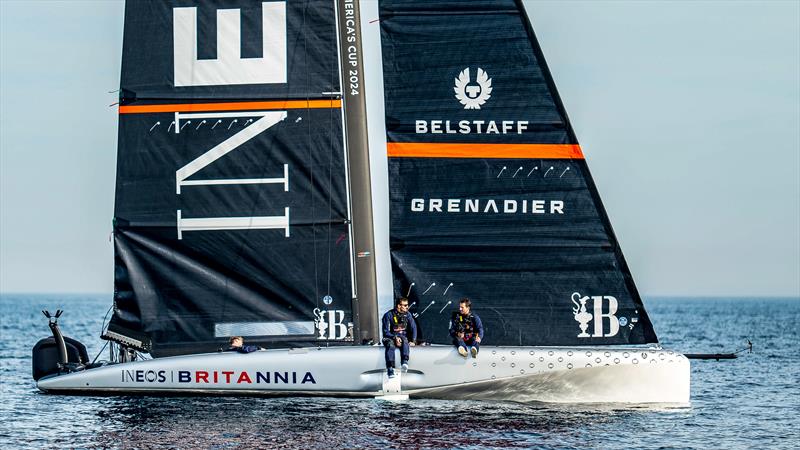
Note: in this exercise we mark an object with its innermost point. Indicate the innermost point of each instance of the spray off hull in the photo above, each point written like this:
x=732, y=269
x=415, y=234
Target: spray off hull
x=522, y=374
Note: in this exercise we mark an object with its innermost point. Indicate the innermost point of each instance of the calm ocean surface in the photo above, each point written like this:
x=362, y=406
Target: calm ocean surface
x=750, y=402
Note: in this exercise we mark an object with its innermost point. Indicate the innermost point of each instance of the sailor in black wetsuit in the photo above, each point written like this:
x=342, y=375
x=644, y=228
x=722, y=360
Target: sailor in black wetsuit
x=237, y=345
x=466, y=329
x=398, y=329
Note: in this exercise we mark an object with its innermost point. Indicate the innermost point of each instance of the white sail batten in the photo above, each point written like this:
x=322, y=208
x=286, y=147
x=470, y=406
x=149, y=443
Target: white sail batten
x=264, y=328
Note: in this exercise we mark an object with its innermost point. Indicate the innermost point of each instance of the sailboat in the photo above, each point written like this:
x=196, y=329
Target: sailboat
x=244, y=208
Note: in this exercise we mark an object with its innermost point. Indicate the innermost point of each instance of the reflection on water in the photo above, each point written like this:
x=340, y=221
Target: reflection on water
x=336, y=423
x=749, y=402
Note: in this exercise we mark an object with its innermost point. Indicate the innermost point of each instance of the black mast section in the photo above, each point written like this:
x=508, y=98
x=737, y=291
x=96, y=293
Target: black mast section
x=355, y=117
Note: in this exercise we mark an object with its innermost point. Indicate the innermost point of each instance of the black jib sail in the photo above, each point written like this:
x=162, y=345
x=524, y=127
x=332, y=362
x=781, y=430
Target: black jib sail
x=491, y=198
x=231, y=214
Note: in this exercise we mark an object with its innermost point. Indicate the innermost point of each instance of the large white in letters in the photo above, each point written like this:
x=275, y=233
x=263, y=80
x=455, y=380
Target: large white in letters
x=230, y=67
x=267, y=119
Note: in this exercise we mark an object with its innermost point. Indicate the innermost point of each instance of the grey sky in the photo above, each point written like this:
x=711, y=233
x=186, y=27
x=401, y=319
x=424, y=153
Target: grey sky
x=688, y=113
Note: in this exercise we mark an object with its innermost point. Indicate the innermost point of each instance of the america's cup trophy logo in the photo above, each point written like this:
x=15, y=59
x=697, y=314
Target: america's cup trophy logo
x=320, y=323
x=330, y=324
x=470, y=95
x=581, y=315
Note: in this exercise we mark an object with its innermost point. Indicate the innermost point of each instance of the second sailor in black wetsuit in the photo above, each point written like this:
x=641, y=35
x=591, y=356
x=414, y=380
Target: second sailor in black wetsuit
x=399, y=331
x=466, y=329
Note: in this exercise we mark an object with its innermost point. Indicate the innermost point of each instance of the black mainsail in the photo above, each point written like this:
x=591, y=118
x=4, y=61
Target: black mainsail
x=231, y=211
x=491, y=197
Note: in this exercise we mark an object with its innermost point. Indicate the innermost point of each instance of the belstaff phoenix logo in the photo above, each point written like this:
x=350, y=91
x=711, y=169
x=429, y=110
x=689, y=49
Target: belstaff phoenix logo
x=472, y=96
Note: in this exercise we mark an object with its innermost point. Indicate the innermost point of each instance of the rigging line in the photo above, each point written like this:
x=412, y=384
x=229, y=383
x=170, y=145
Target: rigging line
x=103, y=328
x=330, y=191
x=334, y=78
x=100, y=352
x=749, y=348
x=311, y=164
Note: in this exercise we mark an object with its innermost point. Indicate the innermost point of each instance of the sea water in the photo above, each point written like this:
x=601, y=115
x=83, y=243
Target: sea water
x=749, y=402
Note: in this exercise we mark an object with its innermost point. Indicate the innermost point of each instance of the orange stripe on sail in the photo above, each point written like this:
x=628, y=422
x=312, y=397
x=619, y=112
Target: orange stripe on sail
x=230, y=106
x=448, y=150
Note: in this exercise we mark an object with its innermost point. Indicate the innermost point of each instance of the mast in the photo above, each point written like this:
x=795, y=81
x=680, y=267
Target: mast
x=365, y=293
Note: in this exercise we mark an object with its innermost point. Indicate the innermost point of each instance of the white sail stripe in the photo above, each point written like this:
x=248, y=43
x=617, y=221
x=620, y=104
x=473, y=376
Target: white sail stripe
x=284, y=180
x=234, y=181
x=269, y=119
x=233, y=223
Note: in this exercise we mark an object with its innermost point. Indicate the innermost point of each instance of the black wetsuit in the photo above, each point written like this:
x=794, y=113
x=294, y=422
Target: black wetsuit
x=470, y=325
x=399, y=325
x=243, y=349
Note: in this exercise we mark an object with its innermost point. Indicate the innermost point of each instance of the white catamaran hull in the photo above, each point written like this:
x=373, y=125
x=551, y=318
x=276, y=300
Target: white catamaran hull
x=523, y=374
